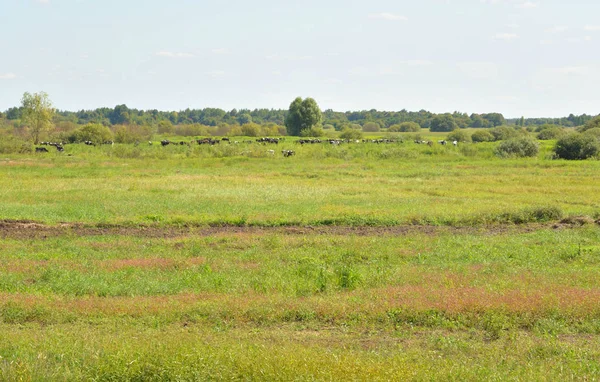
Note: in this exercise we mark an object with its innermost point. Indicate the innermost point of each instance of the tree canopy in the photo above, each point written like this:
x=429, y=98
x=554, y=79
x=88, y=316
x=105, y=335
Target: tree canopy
x=37, y=113
x=302, y=115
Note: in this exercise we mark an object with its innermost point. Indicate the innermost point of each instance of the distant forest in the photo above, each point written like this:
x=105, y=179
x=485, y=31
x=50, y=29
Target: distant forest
x=213, y=117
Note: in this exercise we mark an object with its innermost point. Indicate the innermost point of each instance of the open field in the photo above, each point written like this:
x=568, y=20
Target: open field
x=365, y=262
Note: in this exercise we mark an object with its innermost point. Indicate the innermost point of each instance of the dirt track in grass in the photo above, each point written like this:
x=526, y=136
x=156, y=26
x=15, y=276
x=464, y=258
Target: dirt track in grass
x=23, y=229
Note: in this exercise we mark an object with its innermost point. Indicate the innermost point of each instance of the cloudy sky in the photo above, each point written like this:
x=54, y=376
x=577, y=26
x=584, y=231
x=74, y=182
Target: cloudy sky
x=518, y=57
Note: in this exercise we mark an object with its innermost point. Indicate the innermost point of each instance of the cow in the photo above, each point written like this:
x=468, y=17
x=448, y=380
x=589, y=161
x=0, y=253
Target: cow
x=288, y=153
x=41, y=150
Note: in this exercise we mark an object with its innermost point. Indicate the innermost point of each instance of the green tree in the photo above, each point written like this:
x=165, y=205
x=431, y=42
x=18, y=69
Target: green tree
x=37, y=113
x=443, y=123
x=302, y=115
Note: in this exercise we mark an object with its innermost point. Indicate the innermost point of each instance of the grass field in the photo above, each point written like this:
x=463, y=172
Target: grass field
x=360, y=262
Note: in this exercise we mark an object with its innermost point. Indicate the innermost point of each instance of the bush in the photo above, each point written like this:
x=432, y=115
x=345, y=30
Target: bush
x=595, y=132
x=250, y=130
x=459, y=136
x=551, y=133
x=132, y=133
x=371, y=127
x=577, y=146
x=9, y=144
x=312, y=132
x=503, y=133
x=518, y=147
x=93, y=132
x=594, y=123
x=405, y=127
x=482, y=136
x=351, y=134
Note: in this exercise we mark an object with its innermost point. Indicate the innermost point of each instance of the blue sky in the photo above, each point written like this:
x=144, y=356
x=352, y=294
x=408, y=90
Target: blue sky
x=518, y=57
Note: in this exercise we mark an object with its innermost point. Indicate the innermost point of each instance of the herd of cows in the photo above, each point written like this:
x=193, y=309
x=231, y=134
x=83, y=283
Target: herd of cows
x=266, y=140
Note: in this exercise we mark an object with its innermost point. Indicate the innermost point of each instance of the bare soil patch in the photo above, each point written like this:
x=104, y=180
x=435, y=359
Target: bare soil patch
x=27, y=229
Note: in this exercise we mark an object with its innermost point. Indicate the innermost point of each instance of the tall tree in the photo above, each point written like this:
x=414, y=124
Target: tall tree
x=37, y=113
x=303, y=115
x=443, y=122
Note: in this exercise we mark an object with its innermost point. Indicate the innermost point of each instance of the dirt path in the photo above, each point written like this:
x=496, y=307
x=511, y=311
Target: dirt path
x=20, y=229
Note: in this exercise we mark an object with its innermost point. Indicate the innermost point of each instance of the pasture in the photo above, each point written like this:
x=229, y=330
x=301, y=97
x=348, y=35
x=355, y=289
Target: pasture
x=353, y=262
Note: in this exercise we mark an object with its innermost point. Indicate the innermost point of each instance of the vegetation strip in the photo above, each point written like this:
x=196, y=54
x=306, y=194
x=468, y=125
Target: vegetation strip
x=31, y=229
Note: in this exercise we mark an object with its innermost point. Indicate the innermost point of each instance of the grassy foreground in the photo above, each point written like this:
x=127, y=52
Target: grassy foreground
x=392, y=262
x=285, y=305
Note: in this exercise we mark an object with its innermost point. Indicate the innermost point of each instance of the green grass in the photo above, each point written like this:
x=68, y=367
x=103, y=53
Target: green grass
x=366, y=262
x=322, y=185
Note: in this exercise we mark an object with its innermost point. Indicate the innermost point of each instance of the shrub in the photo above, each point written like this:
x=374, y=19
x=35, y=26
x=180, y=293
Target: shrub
x=594, y=123
x=518, y=147
x=405, y=127
x=577, y=146
x=351, y=134
x=94, y=132
x=503, y=133
x=482, y=136
x=551, y=133
x=595, y=132
x=251, y=130
x=371, y=127
x=459, y=135
x=312, y=132
x=132, y=133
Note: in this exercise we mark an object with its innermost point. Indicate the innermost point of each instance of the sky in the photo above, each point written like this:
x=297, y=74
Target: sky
x=532, y=58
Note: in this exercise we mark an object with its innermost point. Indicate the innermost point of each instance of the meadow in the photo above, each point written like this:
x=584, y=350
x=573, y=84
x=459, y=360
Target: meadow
x=354, y=262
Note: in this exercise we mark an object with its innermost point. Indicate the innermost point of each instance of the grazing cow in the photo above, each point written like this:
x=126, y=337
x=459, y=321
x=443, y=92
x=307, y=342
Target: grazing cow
x=165, y=142
x=443, y=143
x=430, y=143
x=59, y=148
x=455, y=143
x=150, y=143
x=108, y=143
x=41, y=150
x=89, y=143
x=288, y=153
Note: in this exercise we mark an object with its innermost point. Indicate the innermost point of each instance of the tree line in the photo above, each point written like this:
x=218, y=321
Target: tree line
x=374, y=120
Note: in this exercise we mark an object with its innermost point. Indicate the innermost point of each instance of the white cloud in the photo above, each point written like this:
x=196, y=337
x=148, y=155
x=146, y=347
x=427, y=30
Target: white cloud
x=592, y=28
x=388, y=16
x=8, y=76
x=43, y=1
x=174, y=54
x=506, y=36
